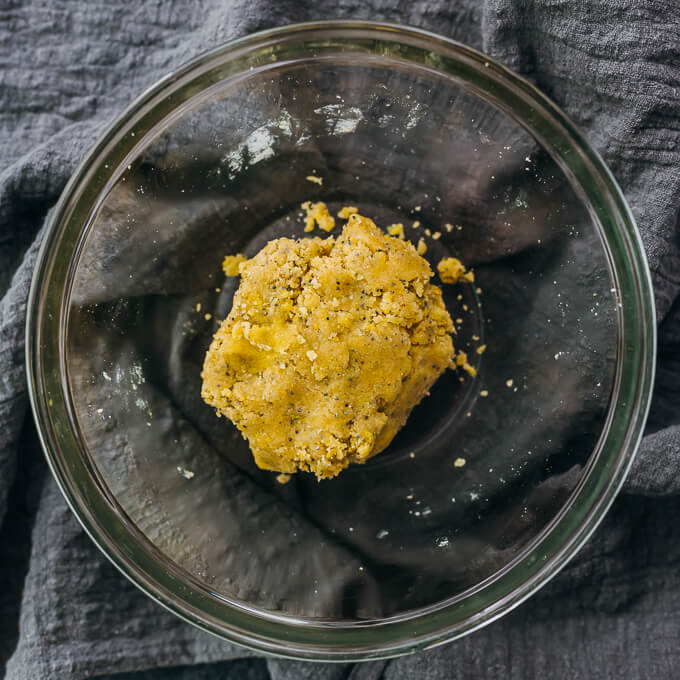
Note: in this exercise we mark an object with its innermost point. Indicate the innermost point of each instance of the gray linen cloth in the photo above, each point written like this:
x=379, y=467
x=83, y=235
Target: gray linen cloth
x=67, y=69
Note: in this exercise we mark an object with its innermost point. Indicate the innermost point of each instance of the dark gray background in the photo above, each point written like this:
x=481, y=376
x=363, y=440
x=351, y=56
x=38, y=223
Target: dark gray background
x=67, y=68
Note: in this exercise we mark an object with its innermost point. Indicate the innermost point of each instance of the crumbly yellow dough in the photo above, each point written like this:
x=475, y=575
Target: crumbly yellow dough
x=452, y=270
x=396, y=230
x=462, y=361
x=347, y=211
x=231, y=264
x=317, y=214
x=328, y=347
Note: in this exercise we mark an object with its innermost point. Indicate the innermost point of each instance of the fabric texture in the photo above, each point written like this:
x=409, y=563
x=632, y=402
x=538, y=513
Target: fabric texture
x=68, y=68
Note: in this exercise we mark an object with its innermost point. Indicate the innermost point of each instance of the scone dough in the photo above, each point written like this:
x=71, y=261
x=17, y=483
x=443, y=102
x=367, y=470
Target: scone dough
x=329, y=345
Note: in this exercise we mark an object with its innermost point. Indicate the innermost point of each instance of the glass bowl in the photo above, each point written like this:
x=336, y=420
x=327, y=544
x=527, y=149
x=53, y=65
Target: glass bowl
x=494, y=482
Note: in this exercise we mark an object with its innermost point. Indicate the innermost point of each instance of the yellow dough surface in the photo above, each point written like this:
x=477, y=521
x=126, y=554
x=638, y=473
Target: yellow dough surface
x=329, y=345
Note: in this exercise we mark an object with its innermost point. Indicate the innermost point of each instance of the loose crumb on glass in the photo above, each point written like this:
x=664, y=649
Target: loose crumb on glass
x=207, y=316
x=462, y=361
x=396, y=230
x=484, y=393
x=459, y=462
x=283, y=478
x=481, y=349
x=452, y=270
x=509, y=383
x=315, y=179
x=421, y=249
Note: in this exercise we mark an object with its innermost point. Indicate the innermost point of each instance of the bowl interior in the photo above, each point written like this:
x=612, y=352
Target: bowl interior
x=224, y=173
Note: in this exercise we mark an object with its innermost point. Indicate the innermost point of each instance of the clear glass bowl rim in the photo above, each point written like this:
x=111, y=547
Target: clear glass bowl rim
x=113, y=532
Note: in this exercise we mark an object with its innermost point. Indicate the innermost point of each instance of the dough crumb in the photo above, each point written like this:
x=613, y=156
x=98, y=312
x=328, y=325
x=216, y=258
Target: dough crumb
x=509, y=383
x=347, y=211
x=448, y=226
x=421, y=249
x=396, y=230
x=481, y=349
x=231, y=265
x=462, y=361
x=452, y=270
x=283, y=478
x=364, y=308
x=316, y=214
x=416, y=224
x=315, y=179
x=459, y=462
x=484, y=393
